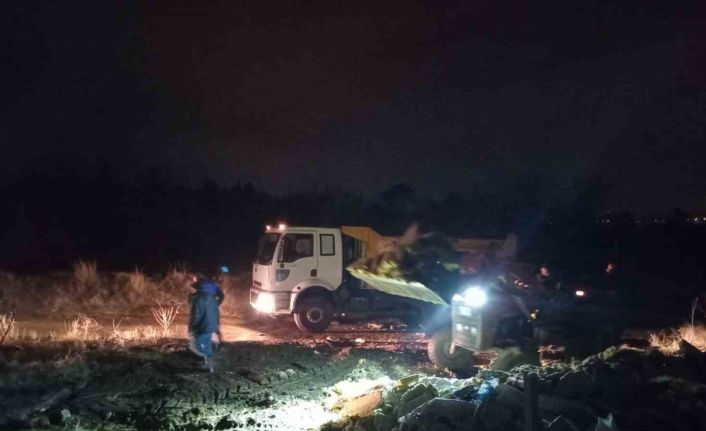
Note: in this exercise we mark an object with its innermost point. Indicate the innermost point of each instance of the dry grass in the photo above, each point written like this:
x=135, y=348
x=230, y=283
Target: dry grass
x=8, y=329
x=85, y=288
x=86, y=274
x=668, y=342
x=137, y=283
x=177, y=279
x=165, y=315
x=83, y=328
x=236, y=289
x=694, y=334
x=140, y=333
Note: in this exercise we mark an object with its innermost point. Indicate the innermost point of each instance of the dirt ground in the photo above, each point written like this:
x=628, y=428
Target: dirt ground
x=269, y=376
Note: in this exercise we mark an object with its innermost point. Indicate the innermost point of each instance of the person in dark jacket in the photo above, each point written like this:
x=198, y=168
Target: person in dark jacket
x=204, y=319
x=547, y=280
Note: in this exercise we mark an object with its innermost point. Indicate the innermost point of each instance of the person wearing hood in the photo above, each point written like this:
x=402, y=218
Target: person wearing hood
x=204, y=318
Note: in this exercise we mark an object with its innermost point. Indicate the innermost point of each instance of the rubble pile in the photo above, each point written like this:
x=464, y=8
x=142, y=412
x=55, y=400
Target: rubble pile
x=617, y=389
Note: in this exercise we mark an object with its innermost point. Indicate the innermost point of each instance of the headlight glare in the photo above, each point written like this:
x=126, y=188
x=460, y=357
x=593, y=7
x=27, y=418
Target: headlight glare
x=475, y=297
x=265, y=302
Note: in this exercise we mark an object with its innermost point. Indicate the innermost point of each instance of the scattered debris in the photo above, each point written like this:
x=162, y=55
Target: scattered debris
x=362, y=405
x=617, y=389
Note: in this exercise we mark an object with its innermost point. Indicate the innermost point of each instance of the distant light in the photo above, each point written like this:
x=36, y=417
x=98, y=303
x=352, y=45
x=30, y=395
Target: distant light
x=282, y=226
x=580, y=293
x=268, y=227
x=224, y=269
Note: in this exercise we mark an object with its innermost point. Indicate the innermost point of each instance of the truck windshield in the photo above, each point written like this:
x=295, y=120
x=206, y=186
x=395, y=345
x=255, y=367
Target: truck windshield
x=266, y=248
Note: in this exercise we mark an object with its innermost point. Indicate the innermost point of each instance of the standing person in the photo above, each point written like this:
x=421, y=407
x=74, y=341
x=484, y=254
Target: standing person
x=610, y=277
x=204, y=318
x=547, y=280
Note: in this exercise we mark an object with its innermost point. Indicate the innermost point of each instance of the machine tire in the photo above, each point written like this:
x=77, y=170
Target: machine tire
x=511, y=357
x=313, y=314
x=438, y=350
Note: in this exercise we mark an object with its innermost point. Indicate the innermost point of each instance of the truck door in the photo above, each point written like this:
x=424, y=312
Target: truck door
x=297, y=260
x=330, y=259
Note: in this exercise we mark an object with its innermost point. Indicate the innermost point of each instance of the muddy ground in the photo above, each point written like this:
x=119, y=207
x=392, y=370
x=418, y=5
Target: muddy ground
x=269, y=376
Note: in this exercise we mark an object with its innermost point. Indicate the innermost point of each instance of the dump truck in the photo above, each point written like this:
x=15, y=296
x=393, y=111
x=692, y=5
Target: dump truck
x=300, y=273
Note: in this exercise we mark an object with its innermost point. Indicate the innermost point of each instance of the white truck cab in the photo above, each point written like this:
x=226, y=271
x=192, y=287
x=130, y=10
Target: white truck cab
x=297, y=270
x=301, y=271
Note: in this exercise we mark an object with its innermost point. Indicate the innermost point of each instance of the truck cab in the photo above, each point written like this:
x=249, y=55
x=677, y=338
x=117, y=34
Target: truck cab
x=301, y=271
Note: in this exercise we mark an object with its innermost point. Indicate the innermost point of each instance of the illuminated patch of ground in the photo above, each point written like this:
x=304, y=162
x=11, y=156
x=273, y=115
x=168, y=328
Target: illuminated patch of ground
x=287, y=386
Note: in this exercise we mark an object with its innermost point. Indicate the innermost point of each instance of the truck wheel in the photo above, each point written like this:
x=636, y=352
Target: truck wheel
x=439, y=352
x=512, y=357
x=313, y=314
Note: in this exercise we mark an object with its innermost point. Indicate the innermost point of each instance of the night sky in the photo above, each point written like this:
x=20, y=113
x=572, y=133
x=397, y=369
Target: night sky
x=445, y=96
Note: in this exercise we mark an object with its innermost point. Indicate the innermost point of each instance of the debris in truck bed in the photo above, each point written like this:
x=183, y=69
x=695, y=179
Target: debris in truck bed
x=428, y=259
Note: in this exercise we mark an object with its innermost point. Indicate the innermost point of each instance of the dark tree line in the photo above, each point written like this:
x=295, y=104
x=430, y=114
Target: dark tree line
x=50, y=219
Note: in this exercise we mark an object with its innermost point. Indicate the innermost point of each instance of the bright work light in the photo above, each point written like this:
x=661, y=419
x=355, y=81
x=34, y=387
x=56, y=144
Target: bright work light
x=474, y=297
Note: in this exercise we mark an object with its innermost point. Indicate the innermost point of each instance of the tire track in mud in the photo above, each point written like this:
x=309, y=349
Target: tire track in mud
x=241, y=395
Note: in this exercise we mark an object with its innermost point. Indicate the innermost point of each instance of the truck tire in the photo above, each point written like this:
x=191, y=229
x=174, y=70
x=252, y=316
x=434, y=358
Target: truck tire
x=511, y=357
x=439, y=352
x=313, y=314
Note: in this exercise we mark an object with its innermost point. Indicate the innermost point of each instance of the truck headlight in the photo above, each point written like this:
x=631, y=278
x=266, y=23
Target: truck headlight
x=474, y=297
x=265, y=302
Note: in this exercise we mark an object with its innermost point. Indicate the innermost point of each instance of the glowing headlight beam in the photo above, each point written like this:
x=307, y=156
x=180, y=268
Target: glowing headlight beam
x=265, y=302
x=474, y=297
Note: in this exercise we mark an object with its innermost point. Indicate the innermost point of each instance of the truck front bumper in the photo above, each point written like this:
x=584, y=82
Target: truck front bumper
x=270, y=302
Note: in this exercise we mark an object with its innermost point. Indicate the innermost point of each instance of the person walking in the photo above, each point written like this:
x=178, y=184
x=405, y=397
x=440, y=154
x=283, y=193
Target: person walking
x=547, y=280
x=204, y=319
